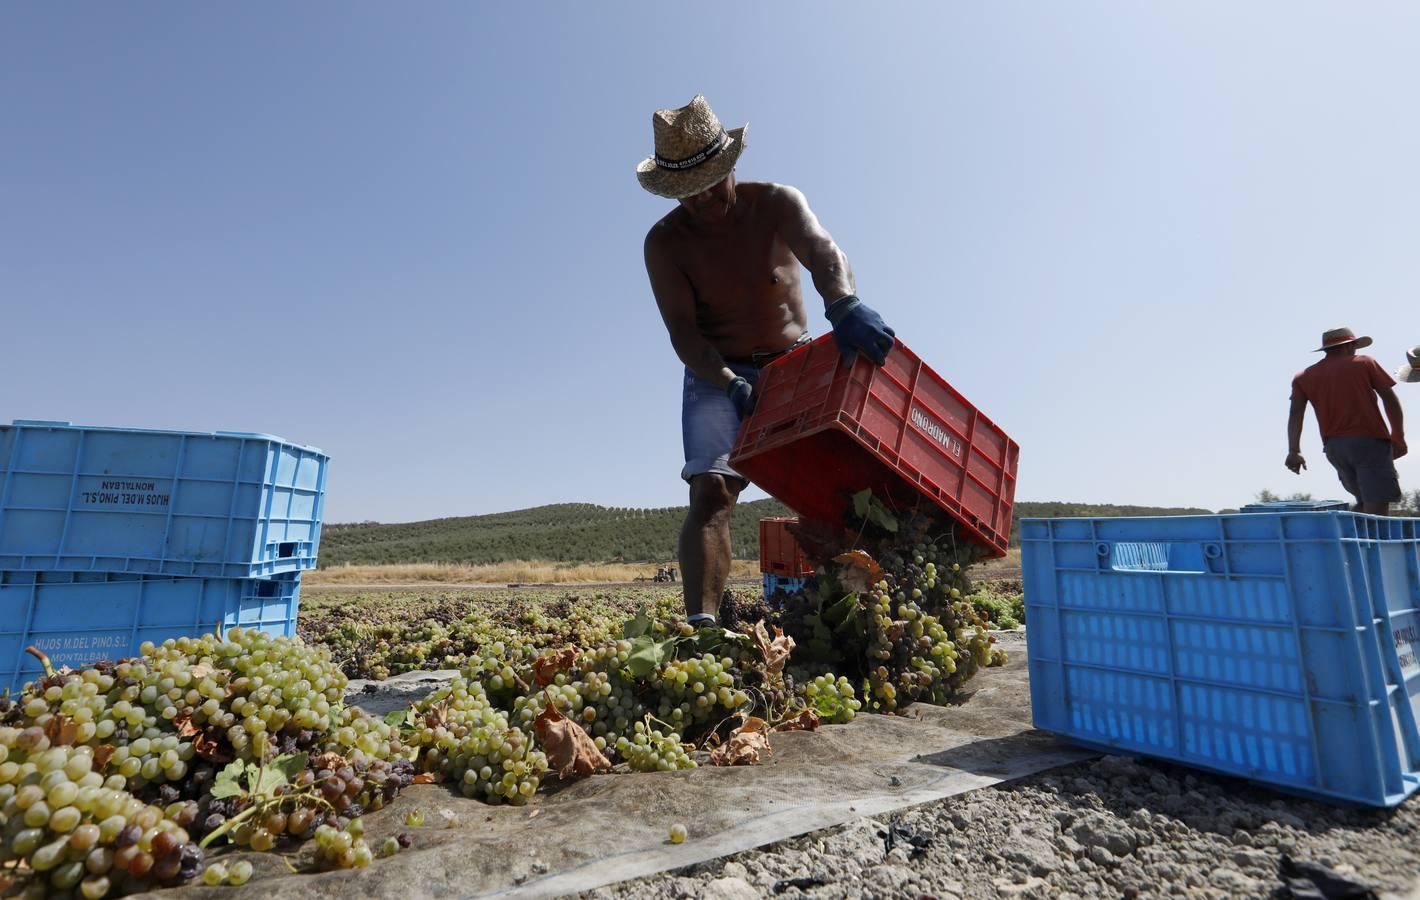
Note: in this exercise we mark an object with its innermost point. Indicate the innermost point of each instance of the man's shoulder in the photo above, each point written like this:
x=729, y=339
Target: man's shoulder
x=772, y=192
x=666, y=228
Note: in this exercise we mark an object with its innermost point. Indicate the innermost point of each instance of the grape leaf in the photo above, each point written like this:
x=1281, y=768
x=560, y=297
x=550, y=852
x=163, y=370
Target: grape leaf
x=229, y=781
x=871, y=509
x=638, y=625
x=60, y=730
x=400, y=718
x=840, y=612
x=709, y=639
x=775, y=652
x=546, y=666
x=570, y=752
x=648, y=655
x=745, y=745
x=806, y=720
x=280, y=771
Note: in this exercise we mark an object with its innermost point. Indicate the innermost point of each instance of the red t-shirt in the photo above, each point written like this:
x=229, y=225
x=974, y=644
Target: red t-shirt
x=1343, y=390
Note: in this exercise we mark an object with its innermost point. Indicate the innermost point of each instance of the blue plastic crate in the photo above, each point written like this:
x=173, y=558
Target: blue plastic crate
x=776, y=583
x=1297, y=506
x=1279, y=647
x=78, y=618
x=224, y=505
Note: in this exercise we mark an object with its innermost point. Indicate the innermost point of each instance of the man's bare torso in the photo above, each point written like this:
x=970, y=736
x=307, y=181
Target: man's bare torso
x=743, y=274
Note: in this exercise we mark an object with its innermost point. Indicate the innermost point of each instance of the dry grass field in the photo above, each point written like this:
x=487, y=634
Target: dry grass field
x=517, y=572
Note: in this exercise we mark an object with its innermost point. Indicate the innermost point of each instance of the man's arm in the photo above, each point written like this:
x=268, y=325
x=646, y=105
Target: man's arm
x=1298, y=415
x=676, y=300
x=856, y=327
x=813, y=246
x=1397, y=421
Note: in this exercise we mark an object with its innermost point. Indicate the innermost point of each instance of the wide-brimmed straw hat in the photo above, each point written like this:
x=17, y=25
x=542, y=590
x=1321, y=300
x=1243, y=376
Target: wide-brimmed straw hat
x=1340, y=337
x=1411, y=372
x=693, y=151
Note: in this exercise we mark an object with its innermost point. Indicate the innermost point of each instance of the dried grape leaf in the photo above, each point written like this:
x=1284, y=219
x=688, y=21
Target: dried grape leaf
x=185, y=728
x=570, y=752
x=60, y=731
x=776, y=652
x=745, y=745
x=426, y=778
x=330, y=761
x=102, y=754
x=546, y=666
x=806, y=720
x=858, y=571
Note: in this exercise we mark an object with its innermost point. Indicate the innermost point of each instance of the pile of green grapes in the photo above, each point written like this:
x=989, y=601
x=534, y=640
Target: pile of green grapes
x=125, y=775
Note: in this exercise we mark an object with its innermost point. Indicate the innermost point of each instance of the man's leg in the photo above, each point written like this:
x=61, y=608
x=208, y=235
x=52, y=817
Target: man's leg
x=1377, y=485
x=704, y=549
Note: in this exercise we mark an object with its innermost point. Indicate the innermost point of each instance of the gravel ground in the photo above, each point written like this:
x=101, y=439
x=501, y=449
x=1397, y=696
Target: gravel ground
x=1113, y=827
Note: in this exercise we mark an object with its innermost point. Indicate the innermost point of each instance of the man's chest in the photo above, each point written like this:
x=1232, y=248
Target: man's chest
x=742, y=264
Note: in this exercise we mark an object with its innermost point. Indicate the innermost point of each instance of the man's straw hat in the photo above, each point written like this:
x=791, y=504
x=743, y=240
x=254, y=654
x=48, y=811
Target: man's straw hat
x=1339, y=337
x=693, y=151
x=1411, y=372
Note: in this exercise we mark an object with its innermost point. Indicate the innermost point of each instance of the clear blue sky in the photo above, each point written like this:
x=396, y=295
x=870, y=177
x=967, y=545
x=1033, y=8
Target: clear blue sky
x=411, y=234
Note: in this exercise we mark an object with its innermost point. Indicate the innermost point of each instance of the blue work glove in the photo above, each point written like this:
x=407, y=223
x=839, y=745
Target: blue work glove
x=742, y=396
x=857, y=329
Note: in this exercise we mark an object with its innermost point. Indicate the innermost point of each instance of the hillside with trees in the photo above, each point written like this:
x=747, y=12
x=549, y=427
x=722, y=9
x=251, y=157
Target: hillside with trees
x=585, y=532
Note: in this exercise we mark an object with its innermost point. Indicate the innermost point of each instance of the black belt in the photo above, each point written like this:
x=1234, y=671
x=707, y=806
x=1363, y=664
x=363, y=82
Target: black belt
x=762, y=359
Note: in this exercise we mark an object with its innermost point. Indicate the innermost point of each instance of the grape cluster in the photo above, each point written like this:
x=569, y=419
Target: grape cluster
x=466, y=740
x=652, y=750
x=833, y=699
x=697, y=690
x=76, y=830
x=338, y=848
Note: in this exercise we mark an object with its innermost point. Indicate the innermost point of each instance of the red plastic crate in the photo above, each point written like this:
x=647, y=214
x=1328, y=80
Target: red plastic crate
x=779, y=553
x=821, y=432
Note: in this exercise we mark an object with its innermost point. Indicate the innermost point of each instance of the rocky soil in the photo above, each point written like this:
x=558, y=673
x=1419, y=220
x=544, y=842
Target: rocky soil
x=1113, y=827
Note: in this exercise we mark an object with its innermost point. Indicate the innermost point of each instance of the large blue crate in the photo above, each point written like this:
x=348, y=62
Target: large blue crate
x=1275, y=646
x=78, y=618
x=226, y=505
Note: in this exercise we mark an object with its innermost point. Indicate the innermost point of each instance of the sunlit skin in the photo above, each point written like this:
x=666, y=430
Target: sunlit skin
x=724, y=266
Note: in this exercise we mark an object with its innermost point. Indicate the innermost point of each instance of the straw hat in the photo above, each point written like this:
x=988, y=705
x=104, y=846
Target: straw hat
x=1412, y=371
x=1339, y=337
x=693, y=151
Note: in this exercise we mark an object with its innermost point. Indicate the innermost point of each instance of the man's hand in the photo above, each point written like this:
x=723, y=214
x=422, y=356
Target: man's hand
x=857, y=329
x=742, y=396
x=1398, y=448
x=1296, y=463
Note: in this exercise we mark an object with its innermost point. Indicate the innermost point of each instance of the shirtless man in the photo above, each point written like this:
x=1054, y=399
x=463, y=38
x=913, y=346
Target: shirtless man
x=724, y=267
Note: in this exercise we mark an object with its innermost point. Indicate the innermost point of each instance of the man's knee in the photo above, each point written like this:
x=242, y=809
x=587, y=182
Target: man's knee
x=713, y=495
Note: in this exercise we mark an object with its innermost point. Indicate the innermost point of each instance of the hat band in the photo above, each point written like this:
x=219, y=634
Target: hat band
x=1339, y=339
x=690, y=162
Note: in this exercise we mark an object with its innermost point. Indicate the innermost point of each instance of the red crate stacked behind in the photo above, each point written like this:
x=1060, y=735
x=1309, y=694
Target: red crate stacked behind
x=821, y=432
x=779, y=553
